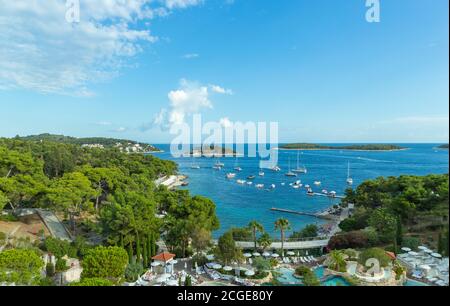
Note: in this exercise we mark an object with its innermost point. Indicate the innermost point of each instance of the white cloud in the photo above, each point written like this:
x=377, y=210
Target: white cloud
x=190, y=98
x=191, y=56
x=41, y=51
x=171, y=4
x=221, y=90
x=225, y=122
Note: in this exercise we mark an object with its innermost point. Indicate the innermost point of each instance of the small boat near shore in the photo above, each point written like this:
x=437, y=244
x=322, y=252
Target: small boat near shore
x=241, y=182
x=259, y=186
x=251, y=177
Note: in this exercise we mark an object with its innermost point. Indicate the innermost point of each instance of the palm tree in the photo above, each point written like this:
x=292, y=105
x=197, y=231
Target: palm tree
x=255, y=227
x=336, y=260
x=282, y=225
x=265, y=241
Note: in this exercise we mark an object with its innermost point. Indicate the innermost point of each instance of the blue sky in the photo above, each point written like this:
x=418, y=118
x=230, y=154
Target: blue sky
x=316, y=67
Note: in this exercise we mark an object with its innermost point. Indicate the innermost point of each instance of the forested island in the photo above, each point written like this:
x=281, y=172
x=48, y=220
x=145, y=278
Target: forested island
x=361, y=147
x=444, y=146
x=124, y=145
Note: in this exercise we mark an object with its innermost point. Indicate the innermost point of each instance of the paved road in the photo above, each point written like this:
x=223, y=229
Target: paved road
x=54, y=225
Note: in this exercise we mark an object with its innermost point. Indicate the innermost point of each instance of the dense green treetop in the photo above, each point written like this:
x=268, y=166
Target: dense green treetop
x=106, y=142
x=93, y=282
x=105, y=262
x=20, y=266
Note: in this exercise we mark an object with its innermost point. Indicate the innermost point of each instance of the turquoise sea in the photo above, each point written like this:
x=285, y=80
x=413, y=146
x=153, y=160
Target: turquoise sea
x=237, y=204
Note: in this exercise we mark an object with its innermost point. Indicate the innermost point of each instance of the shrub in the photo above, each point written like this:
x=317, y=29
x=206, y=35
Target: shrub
x=50, y=269
x=59, y=248
x=377, y=253
x=262, y=264
x=311, y=280
x=93, y=282
x=302, y=271
x=133, y=271
x=350, y=240
x=61, y=265
x=411, y=242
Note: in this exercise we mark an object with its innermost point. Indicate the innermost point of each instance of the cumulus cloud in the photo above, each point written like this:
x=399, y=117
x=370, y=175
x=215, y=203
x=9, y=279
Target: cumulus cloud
x=171, y=4
x=225, y=122
x=221, y=90
x=190, y=98
x=41, y=51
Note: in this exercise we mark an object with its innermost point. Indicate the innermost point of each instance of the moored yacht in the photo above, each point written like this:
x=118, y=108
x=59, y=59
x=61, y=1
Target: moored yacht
x=299, y=169
x=290, y=173
x=349, y=179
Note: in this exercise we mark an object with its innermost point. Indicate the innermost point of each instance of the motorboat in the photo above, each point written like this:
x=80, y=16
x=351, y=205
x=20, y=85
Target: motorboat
x=231, y=176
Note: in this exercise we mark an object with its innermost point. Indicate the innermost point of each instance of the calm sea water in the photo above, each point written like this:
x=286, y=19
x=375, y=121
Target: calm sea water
x=237, y=205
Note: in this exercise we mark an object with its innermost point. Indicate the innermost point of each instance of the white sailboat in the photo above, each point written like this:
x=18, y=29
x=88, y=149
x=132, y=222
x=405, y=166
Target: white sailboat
x=290, y=173
x=349, y=179
x=299, y=169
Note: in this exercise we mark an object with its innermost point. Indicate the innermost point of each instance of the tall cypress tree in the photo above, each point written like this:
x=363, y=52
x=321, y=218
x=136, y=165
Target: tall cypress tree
x=144, y=253
x=130, y=252
x=138, y=248
x=149, y=247
x=399, y=232
x=440, y=243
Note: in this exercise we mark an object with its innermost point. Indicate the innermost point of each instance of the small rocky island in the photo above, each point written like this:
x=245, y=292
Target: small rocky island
x=213, y=151
x=358, y=147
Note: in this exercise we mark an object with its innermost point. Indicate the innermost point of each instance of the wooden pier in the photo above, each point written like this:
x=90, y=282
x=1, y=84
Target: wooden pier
x=300, y=213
